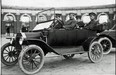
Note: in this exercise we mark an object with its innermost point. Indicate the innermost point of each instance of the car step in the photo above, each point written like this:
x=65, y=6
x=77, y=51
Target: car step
x=69, y=50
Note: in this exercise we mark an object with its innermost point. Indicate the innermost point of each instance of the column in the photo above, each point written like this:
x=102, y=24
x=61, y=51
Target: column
x=33, y=20
x=18, y=26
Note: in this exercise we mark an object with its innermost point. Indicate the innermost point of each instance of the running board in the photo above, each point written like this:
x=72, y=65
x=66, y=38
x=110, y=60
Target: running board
x=69, y=50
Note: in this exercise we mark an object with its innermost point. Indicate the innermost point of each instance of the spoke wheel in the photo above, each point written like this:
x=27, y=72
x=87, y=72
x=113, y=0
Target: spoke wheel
x=106, y=44
x=31, y=59
x=69, y=56
x=9, y=55
x=95, y=53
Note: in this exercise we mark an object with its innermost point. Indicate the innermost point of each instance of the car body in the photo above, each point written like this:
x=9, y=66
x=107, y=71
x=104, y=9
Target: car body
x=62, y=41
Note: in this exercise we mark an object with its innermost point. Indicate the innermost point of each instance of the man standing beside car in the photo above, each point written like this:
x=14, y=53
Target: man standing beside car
x=71, y=23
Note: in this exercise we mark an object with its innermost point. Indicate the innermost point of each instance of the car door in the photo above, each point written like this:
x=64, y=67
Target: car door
x=62, y=37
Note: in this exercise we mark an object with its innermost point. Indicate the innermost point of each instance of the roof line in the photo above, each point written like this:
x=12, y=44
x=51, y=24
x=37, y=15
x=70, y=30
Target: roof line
x=58, y=8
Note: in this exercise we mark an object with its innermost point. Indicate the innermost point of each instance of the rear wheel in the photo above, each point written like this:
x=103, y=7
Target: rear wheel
x=9, y=55
x=106, y=44
x=68, y=56
x=95, y=52
x=31, y=59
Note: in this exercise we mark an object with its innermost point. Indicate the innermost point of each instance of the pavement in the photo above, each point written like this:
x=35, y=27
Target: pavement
x=57, y=65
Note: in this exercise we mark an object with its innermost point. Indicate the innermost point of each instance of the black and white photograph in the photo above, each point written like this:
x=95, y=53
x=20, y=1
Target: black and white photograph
x=57, y=37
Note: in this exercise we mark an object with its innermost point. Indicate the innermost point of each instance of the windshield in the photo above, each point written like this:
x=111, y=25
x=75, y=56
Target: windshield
x=42, y=21
x=43, y=25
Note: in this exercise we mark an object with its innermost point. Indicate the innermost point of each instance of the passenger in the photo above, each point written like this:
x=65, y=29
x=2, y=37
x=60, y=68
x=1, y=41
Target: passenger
x=58, y=23
x=79, y=22
x=93, y=23
x=71, y=23
x=114, y=21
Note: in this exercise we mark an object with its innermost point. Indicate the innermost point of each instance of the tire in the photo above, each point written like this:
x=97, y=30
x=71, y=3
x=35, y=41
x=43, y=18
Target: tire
x=9, y=55
x=30, y=54
x=68, y=56
x=106, y=44
x=95, y=52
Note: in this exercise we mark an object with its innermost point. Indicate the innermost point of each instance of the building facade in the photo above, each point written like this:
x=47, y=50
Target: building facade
x=18, y=15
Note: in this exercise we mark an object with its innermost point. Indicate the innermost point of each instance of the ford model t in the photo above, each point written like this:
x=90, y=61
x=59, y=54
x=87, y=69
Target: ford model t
x=30, y=48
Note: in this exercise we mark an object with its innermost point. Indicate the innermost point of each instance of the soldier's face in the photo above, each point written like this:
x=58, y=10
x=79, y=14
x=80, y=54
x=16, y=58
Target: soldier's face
x=92, y=17
x=78, y=19
x=71, y=16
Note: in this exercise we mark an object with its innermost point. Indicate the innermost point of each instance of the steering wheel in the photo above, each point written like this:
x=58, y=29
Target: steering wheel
x=57, y=22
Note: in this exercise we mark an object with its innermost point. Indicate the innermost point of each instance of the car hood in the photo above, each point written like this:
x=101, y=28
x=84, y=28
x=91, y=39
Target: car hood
x=29, y=35
x=33, y=35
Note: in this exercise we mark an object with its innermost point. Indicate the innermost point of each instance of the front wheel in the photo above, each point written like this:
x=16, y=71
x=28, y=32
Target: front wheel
x=9, y=55
x=31, y=59
x=95, y=52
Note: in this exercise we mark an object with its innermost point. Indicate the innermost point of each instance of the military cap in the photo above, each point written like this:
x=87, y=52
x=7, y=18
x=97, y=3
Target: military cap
x=57, y=15
x=92, y=13
x=78, y=17
x=71, y=13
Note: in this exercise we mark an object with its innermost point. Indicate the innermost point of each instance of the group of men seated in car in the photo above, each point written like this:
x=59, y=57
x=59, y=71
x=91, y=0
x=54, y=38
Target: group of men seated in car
x=73, y=23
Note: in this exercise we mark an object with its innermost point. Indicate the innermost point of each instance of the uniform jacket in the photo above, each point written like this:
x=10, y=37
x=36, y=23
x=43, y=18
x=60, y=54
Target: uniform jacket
x=70, y=24
x=91, y=25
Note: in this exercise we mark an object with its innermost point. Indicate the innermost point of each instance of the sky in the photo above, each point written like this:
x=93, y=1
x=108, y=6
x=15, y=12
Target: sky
x=56, y=3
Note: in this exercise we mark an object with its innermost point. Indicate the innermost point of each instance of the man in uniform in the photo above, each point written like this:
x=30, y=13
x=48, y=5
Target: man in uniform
x=93, y=23
x=114, y=21
x=79, y=22
x=71, y=23
x=58, y=23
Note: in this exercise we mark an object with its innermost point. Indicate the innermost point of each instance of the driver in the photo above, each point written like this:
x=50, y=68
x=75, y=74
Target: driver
x=71, y=23
x=79, y=22
x=57, y=23
x=93, y=23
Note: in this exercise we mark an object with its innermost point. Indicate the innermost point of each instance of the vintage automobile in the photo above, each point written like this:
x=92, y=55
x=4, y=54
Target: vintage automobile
x=30, y=48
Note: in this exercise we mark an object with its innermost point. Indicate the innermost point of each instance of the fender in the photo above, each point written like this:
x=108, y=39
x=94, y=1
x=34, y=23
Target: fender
x=88, y=42
x=45, y=47
x=111, y=38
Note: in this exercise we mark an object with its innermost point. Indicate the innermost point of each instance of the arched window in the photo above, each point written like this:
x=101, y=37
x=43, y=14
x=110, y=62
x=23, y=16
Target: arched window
x=41, y=18
x=25, y=18
x=9, y=17
x=85, y=18
x=103, y=18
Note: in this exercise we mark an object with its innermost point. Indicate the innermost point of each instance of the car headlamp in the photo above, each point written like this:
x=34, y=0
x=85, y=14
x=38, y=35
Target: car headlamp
x=98, y=34
x=22, y=38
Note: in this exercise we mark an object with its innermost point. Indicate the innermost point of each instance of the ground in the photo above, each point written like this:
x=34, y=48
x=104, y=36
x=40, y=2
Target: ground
x=78, y=65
